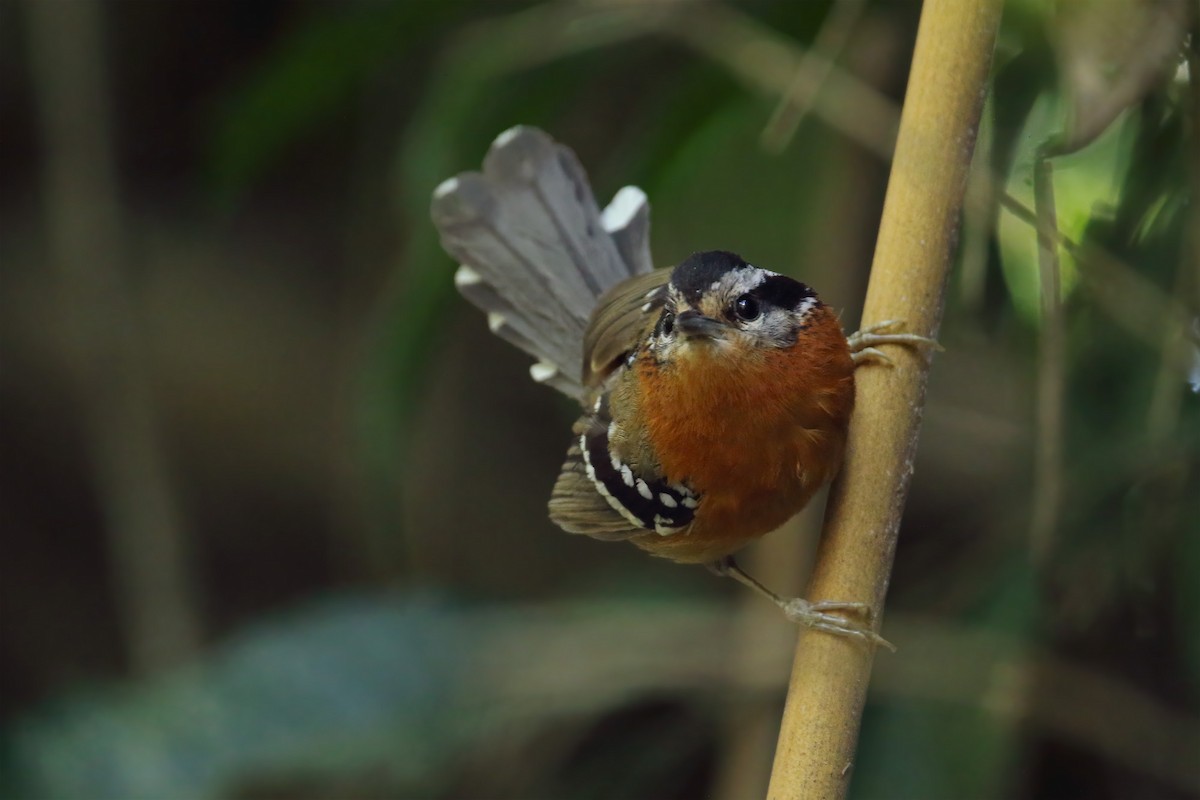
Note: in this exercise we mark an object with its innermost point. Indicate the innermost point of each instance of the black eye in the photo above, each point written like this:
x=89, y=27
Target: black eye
x=667, y=324
x=746, y=308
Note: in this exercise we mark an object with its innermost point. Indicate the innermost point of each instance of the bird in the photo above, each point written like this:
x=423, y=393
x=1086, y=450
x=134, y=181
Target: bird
x=715, y=395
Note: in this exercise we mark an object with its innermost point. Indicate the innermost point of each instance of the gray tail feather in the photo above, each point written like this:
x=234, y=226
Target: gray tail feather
x=536, y=252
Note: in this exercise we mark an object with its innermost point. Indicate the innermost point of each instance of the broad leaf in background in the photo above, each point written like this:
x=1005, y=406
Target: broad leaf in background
x=1086, y=185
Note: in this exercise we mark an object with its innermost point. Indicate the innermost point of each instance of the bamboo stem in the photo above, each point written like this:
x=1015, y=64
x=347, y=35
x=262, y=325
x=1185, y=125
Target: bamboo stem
x=916, y=241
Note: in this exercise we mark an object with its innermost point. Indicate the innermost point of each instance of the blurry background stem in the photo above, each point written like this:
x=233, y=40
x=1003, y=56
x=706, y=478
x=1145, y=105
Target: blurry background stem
x=87, y=244
x=1051, y=384
x=770, y=63
x=979, y=221
x=815, y=67
x=1177, y=345
x=947, y=84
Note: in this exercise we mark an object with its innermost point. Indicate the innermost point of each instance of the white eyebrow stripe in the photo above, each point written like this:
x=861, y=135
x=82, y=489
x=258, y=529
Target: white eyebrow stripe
x=743, y=281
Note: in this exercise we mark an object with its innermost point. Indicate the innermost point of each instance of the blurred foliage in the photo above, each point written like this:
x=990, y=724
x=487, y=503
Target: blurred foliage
x=311, y=75
x=379, y=694
x=347, y=684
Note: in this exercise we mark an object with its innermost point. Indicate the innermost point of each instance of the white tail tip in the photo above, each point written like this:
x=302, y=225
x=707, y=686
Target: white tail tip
x=542, y=371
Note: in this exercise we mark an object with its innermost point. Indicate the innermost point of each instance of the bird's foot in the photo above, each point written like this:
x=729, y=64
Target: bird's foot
x=863, y=343
x=821, y=616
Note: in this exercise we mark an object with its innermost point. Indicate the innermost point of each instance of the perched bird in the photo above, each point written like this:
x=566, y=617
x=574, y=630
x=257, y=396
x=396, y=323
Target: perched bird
x=716, y=395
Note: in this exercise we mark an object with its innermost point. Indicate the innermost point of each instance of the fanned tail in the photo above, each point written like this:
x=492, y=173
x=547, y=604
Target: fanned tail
x=535, y=250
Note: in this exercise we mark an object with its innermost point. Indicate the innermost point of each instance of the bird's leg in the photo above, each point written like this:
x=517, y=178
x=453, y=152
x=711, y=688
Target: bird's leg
x=862, y=343
x=816, y=615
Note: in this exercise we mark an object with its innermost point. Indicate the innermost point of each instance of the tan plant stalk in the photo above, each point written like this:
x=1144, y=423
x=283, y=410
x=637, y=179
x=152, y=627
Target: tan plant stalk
x=913, y=254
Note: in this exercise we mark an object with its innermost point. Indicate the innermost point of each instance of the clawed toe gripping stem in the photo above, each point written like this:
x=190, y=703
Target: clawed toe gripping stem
x=818, y=617
x=821, y=615
x=862, y=343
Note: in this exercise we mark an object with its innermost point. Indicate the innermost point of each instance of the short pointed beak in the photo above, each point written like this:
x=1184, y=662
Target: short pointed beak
x=693, y=324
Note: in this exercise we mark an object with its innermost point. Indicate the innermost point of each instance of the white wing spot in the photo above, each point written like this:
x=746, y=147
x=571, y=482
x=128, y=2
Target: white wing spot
x=644, y=490
x=667, y=500
x=690, y=502
x=664, y=527
x=627, y=475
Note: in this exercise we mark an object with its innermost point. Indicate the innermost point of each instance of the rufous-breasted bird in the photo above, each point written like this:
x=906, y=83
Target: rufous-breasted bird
x=716, y=395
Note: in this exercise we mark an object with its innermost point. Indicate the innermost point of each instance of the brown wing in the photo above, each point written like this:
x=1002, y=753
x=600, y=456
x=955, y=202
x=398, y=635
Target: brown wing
x=604, y=494
x=623, y=315
x=577, y=507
